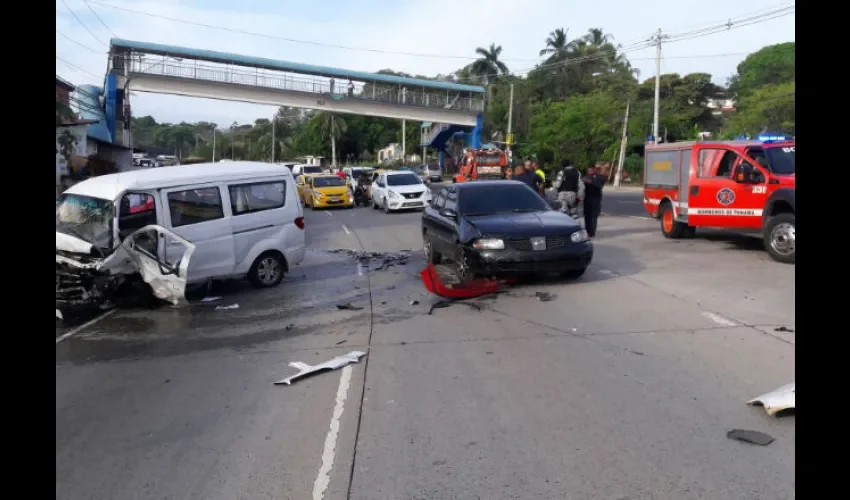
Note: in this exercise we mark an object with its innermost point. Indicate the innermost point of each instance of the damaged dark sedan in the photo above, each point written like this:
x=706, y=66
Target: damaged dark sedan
x=493, y=227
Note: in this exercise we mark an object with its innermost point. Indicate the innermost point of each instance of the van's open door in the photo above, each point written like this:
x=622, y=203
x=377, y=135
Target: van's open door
x=162, y=258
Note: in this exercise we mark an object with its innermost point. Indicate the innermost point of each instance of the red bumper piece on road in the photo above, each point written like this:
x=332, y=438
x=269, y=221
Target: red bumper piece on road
x=471, y=289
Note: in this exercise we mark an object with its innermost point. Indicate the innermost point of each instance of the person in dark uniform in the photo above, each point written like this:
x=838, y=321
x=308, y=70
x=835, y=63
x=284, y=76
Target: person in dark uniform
x=570, y=188
x=529, y=178
x=593, y=184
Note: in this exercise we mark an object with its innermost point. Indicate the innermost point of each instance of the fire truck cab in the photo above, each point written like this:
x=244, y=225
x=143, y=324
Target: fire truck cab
x=745, y=186
x=481, y=164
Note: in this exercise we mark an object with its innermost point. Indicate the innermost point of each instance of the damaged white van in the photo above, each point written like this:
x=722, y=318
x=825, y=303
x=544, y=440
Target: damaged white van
x=175, y=227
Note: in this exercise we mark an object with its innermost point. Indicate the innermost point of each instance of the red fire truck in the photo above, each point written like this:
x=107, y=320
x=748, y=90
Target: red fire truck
x=741, y=185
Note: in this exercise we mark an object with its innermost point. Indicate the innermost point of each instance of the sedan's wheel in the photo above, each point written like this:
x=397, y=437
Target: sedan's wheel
x=463, y=269
x=386, y=206
x=267, y=271
x=374, y=204
x=431, y=255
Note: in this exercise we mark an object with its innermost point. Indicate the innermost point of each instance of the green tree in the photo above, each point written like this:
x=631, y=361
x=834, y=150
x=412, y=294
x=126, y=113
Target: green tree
x=773, y=64
x=488, y=65
x=770, y=108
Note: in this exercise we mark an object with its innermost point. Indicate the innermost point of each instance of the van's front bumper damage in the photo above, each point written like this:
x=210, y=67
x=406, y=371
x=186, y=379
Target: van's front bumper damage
x=84, y=281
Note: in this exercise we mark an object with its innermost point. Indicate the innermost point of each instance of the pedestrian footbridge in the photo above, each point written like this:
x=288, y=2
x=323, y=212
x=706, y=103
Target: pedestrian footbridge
x=165, y=69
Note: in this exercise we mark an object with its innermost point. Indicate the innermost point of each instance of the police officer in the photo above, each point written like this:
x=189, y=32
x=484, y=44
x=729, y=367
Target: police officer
x=594, y=182
x=570, y=190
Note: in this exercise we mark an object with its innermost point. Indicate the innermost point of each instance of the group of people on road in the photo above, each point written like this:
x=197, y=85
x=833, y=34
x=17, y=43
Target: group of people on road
x=580, y=195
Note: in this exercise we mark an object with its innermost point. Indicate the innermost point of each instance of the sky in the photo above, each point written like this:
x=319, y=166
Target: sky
x=447, y=31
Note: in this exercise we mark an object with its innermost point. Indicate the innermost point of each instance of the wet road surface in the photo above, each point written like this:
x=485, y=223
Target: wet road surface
x=622, y=386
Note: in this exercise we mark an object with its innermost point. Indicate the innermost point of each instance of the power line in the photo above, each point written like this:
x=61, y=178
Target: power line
x=81, y=23
x=80, y=44
x=74, y=66
x=99, y=19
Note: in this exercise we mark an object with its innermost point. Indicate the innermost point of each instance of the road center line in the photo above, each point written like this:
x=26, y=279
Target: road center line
x=345, y=228
x=720, y=320
x=323, y=480
x=329, y=214
x=85, y=325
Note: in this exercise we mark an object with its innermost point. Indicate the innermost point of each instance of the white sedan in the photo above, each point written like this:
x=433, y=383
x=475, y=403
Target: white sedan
x=399, y=190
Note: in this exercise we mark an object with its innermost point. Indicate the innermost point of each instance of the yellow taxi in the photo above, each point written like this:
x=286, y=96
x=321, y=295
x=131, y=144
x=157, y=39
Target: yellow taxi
x=323, y=191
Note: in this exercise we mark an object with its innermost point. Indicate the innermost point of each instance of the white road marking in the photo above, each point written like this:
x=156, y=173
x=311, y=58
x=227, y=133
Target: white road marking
x=329, y=214
x=720, y=320
x=345, y=228
x=320, y=485
x=638, y=217
x=85, y=325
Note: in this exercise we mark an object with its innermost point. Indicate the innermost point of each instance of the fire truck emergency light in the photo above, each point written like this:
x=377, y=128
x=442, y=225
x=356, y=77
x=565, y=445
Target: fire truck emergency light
x=773, y=138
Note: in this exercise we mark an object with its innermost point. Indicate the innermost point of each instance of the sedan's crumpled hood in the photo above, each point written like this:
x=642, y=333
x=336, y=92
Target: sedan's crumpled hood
x=549, y=223
x=68, y=243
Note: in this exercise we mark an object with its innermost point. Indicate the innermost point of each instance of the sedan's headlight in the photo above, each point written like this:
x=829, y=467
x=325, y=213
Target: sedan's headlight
x=489, y=244
x=579, y=236
x=393, y=194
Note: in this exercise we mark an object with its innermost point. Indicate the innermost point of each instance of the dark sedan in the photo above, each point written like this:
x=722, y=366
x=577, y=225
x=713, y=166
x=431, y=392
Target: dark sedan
x=493, y=227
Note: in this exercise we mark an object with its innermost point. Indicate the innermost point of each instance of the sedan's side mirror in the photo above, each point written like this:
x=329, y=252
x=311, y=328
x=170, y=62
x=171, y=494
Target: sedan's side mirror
x=448, y=213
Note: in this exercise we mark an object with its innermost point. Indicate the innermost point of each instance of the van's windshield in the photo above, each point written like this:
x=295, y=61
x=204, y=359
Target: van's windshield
x=89, y=219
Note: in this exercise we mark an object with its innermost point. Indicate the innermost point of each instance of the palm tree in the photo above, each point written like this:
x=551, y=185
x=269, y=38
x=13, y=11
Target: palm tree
x=489, y=64
x=333, y=127
x=597, y=37
x=556, y=44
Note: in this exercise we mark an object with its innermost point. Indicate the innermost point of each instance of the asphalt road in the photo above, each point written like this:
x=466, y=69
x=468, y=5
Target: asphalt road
x=623, y=386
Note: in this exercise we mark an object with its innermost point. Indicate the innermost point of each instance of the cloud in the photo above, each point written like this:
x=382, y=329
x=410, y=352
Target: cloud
x=445, y=27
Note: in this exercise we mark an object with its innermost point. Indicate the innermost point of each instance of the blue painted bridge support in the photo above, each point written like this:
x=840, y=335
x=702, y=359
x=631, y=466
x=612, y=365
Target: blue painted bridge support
x=476, y=132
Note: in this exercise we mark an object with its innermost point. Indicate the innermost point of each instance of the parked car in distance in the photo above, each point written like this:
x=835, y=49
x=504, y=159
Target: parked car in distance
x=493, y=227
x=399, y=190
x=434, y=174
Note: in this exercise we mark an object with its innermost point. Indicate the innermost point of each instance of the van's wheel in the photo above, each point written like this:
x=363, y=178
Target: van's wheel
x=268, y=270
x=780, y=238
x=670, y=228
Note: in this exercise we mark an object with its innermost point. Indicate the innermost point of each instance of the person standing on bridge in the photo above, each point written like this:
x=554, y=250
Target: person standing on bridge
x=350, y=88
x=332, y=85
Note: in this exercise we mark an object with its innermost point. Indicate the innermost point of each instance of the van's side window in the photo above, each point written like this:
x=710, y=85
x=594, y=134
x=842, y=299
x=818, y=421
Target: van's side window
x=194, y=206
x=249, y=198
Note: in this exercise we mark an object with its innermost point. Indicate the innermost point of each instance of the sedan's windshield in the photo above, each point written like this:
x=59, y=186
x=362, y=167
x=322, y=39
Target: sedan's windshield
x=403, y=180
x=497, y=199
x=87, y=218
x=321, y=182
x=781, y=160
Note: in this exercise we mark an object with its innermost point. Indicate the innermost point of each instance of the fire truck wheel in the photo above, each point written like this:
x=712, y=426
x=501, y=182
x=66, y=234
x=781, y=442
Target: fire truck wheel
x=779, y=238
x=669, y=226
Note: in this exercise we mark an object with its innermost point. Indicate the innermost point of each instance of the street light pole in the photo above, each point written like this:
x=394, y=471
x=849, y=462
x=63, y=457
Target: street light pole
x=274, y=116
x=510, y=124
x=213, y=158
x=619, y=175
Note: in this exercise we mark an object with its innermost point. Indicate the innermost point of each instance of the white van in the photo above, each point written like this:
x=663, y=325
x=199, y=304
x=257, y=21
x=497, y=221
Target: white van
x=302, y=169
x=175, y=226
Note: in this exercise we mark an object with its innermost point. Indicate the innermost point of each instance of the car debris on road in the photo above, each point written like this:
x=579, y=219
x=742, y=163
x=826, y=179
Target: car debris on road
x=752, y=437
x=777, y=401
x=304, y=369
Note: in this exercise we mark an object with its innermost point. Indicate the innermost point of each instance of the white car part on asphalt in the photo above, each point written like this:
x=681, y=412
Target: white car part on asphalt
x=776, y=401
x=304, y=369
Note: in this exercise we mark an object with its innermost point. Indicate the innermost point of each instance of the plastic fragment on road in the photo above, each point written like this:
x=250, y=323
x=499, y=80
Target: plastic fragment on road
x=443, y=303
x=468, y=290
x=752, y=437
x=544, y=296
x=231, y=306
x=304, y=369
x=781, y=399
x=210, y=299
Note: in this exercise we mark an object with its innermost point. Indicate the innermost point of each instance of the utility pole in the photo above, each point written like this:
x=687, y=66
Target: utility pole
x=619, y=175
x=403, y=128
x=274, y=119
x=657, y=86
x=213, y=158
x=510, y=137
